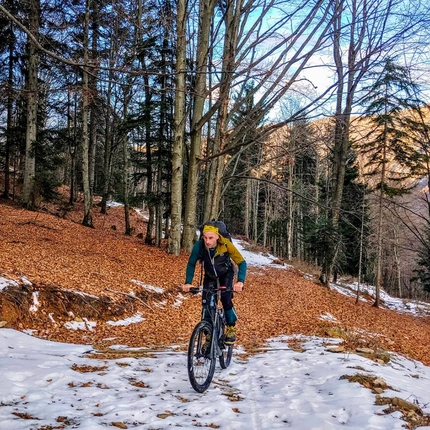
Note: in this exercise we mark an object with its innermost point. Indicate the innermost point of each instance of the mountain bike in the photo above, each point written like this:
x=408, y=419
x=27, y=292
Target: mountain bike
x=207, y=342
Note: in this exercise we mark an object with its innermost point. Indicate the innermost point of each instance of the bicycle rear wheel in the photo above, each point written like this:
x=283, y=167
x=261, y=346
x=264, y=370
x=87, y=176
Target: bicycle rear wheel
x=201, y=363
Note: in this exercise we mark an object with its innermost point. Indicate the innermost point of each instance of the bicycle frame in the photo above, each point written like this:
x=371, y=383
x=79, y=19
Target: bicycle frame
x=217, y=316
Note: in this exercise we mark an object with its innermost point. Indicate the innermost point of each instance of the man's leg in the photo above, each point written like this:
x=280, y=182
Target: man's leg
x=230, y=316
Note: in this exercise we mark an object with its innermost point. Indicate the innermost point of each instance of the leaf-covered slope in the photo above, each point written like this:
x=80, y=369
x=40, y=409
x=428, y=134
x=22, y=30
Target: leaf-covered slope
x=79, y=275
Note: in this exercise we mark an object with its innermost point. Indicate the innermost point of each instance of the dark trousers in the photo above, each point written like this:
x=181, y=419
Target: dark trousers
x=226, y=296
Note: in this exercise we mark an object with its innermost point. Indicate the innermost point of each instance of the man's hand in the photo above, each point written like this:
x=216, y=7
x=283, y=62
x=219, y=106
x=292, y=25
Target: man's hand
x=238, y=287
x=186, y=288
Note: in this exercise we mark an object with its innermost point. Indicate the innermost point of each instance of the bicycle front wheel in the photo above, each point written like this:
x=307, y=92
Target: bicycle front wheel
x=201, y=360
x=226, y=350
x=225, y=357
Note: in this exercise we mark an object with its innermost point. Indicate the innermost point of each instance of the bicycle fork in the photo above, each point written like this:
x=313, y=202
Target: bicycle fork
x=217, y=333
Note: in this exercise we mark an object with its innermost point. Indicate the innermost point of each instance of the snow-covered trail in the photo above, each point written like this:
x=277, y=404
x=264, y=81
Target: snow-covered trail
x=47, y=385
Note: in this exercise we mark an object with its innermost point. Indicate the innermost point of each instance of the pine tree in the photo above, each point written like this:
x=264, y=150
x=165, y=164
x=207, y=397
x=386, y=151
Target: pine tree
x=354, y=213
x=423, y=262
x=391, y=157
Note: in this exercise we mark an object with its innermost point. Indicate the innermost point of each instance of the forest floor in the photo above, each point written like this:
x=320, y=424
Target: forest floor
x=66, y=274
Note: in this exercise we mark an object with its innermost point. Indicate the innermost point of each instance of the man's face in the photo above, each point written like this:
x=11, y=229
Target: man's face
x=210, y=239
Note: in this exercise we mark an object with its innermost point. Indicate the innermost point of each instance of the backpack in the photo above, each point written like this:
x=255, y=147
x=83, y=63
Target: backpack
x=222, y=228
x=223, y=231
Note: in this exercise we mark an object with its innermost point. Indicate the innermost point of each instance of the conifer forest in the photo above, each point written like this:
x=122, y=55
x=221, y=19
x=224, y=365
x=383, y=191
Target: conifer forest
x=304, y=125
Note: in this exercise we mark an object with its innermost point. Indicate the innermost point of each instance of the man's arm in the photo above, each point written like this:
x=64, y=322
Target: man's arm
x=241, y=271
x=192, y=261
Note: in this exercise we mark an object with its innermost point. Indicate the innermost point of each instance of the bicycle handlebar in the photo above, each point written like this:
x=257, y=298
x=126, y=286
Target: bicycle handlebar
x=196, y=290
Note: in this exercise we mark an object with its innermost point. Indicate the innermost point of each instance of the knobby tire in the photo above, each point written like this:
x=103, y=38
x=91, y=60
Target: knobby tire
x=226, y=350
x=201, y=366
x=225, y=357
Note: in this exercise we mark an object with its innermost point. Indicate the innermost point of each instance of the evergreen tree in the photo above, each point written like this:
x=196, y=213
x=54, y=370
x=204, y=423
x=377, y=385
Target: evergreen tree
x=353, y=220
x=8, y=42
x=391, y=156
x=423, y=262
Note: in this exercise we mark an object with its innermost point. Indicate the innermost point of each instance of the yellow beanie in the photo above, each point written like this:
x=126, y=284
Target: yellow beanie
x=211, y=228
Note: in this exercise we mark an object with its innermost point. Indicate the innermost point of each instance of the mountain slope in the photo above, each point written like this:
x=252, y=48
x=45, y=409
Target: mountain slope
x=73, y=283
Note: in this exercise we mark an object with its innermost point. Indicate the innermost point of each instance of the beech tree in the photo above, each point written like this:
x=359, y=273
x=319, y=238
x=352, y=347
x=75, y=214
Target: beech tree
x=29, y=190
x=180, y=119
x=276, y=71
x=198, y=98
x=88, y=199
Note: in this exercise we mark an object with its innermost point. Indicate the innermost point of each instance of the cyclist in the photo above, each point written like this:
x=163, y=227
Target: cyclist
x=215, y=252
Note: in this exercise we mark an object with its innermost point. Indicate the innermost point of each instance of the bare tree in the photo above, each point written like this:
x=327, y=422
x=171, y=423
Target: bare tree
x=206, y=9
x=362, y=33
x=29, y=191
x=244, y=57
x=180, y=117
x=88, y=199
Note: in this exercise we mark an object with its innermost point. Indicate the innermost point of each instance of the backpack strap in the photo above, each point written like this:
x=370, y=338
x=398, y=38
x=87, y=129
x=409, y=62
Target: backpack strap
x=201, y=251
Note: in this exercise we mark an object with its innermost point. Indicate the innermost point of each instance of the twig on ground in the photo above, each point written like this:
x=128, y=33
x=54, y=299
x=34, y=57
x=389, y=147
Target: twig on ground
x=129, y=295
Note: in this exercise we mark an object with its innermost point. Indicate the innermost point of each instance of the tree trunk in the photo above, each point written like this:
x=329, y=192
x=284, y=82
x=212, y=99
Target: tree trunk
x=29, y=191
x=290, y=211
x=162, y=137
x=380, y=224
x=341, y=141
x=149, y=171
x=125, y=180
x=267, y=203
x=247, y=206
x=158, y=210
x=397, y=261
x=231, y=20
x=88, y=200
x=255, y=200
x=92, y=85
x=10, y=98
x=206, y=14
x=180, y=119
x=107, y=153
x=71, y=134
x=108, y=132
x=360, y=260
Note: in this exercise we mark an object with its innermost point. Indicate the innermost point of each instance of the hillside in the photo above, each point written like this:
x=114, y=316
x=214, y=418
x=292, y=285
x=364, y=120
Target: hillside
x=68, y=275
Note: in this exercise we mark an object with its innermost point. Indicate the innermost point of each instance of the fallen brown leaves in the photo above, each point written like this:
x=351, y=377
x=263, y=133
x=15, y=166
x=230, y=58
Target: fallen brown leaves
x=58, y=256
